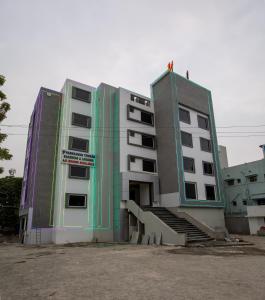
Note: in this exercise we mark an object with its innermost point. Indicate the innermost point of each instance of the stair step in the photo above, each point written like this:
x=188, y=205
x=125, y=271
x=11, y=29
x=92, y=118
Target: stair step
x=180, y=225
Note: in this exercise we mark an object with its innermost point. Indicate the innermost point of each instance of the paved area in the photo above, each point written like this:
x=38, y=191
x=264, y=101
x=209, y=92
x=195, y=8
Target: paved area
x=105, y=271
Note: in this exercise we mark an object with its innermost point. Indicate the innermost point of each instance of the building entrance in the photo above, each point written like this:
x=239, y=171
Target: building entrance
x=140, y=193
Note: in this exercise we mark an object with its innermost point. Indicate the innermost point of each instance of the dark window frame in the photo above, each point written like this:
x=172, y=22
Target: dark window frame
x=214, y=188
x=205, y=118
x=209, y=151
x=188, y=171
x=129, y=107
x=228, y=181
x=186, y=111
x=78, y=98
x=77, y=177
x=249, y=177
x=142, y=158
x=185, y=132
x=67, y=197
x=208, y=162
x=78, y=125
x=196, y=190
x=129, y=132
x=70, y=143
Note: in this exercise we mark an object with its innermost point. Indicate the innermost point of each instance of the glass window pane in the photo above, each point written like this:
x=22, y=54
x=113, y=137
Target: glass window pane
x=184, y=115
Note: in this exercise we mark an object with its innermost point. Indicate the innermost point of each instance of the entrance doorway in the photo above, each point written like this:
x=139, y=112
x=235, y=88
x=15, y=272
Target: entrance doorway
x=141, y=192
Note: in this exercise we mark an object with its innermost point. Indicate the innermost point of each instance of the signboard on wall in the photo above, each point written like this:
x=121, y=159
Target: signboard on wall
x=72, y=157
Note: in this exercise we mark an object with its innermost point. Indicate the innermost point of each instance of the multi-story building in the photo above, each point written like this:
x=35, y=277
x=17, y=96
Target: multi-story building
x=105, y=164
x=245, y=197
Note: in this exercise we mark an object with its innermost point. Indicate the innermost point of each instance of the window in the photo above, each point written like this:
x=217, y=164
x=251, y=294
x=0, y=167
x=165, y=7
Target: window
x=184, y=115
x=234, y=203
x=78, y=172
x=205, y=145
x=189, y=165
x=191, y=190
x=210, y=192
x=149, y=166
x=81, y=120
x=78, y=144
x=147, y=117
x=244, y=202
x=252, y=178
x=238, y=180
x=203, y=123
x=208, y=168
x=148, y=141
x=230, y=182
x=132, y=159
x=81, y=95
x=186, y=139
x=140, y=100
x=131, y=109
x=76, y=201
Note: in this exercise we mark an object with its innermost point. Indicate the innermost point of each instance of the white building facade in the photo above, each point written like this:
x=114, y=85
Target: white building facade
x=99, y=158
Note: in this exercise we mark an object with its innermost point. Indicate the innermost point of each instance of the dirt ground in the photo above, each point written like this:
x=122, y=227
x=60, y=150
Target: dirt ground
x=107, y=271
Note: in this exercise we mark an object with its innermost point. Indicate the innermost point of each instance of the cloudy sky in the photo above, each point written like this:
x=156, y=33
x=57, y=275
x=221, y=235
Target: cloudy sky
x=128, y=44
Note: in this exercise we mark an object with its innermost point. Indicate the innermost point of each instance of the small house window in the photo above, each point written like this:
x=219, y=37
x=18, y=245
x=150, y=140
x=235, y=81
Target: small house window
x=148, y=141
x=208, y=168
x=81, y=95
x=186, y=139
x=252, y=178
x=147, y=117
x=203, y=123
x=81, y=120
x=190, y=190
x=149, y=165
x=205, y=145
x=78, y=144
x=76, y=201
x=230, y=182
x=184, y=115
x=78, y=172
x=210, y=192
x=188, y=164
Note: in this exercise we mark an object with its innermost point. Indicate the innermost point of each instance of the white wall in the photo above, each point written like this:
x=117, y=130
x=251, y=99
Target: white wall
x=68, y=219
x=197, y=154
x=125, y=149
x=255, y=224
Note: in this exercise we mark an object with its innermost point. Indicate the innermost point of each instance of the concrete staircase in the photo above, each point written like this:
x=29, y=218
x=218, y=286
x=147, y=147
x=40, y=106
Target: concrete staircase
x=180, y=225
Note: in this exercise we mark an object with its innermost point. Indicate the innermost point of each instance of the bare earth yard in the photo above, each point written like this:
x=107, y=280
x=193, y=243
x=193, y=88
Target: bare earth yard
x=97, y=271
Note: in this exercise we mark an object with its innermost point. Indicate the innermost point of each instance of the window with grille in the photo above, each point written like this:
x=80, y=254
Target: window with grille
x=78, y=172
x=81, y=95
x=81, y=120
x=78, y=144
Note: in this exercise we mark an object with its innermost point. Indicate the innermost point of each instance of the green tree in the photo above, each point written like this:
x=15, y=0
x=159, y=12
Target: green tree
x=4, y=108
x=10, y=191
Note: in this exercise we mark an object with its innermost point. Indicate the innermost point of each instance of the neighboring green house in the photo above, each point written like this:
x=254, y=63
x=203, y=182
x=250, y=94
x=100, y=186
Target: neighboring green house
x=245, y=197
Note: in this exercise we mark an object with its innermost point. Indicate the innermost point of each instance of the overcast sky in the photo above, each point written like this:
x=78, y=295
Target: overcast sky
x=128, y=44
